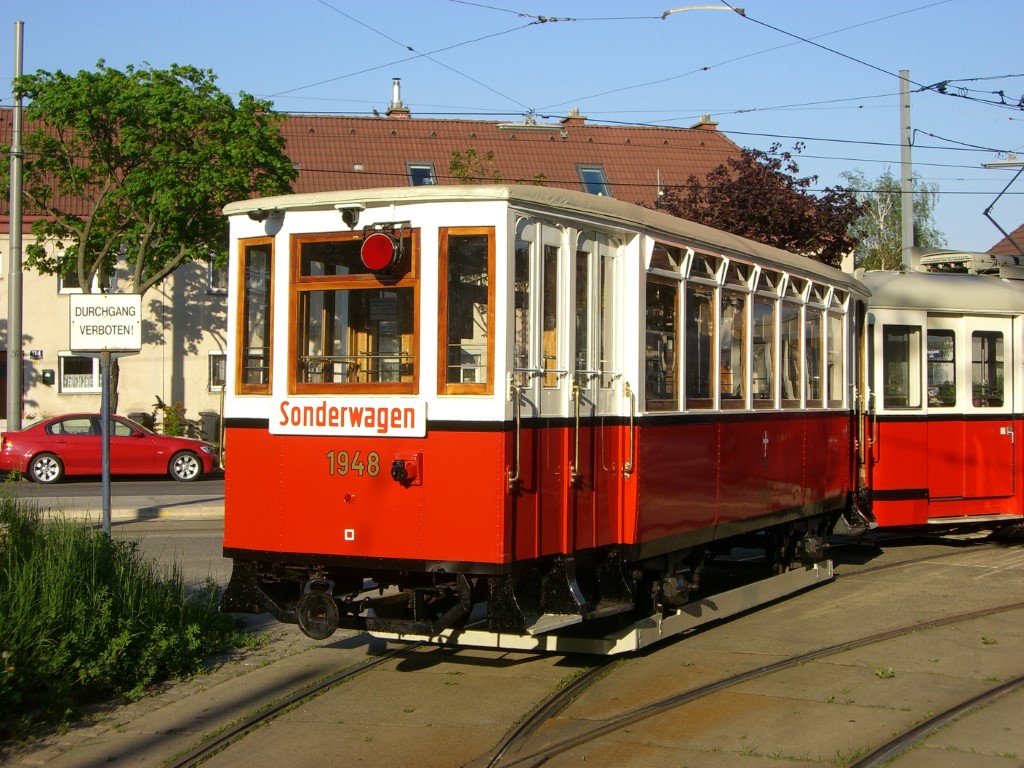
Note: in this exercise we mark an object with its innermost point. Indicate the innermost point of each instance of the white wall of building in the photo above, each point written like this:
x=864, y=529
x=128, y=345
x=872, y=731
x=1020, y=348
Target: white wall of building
x=183, y=323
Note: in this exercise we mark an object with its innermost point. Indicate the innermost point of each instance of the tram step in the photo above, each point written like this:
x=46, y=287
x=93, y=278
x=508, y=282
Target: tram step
x=549, y=622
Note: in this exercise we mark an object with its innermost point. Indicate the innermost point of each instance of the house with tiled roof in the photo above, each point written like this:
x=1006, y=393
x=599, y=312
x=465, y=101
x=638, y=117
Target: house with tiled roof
x=183, y=359
x=1012, y=246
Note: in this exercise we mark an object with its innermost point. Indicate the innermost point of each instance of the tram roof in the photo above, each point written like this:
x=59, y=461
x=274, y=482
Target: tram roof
x=582, y=205
x=944, y=292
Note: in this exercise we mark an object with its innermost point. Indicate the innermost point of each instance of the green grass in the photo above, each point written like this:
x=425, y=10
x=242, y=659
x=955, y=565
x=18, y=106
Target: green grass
x=84, y=619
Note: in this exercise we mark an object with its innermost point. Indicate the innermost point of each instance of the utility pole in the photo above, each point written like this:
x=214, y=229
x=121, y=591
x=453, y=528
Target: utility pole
x=15, y=372
x=906, y=172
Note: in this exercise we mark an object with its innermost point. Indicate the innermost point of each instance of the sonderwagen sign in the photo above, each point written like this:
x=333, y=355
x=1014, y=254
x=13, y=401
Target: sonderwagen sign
x=106, y=322
x=350, y=416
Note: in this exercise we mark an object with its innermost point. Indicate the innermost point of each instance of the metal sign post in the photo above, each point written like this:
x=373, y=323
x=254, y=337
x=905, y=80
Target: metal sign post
x=106, y=325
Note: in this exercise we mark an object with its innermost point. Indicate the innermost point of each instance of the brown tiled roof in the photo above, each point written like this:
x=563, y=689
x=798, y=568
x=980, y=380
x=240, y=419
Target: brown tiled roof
x=359, y=153
x=335, y=153
x=1005, y=247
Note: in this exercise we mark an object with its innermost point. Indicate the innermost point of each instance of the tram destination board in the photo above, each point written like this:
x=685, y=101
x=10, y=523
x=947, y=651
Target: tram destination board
x=106, y=322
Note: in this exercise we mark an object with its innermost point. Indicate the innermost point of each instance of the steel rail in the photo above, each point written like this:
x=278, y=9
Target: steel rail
x=904, y=741
x=242, y=728
x=670, y=702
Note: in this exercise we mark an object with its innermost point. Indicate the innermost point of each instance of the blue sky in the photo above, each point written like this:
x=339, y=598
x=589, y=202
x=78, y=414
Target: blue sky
x=822, y=72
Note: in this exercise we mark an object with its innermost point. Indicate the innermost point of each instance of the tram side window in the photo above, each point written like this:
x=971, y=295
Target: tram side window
x=700, y=353
x=813, y=351
x=254, y=328
x=901, y=366
x=836, y=369
x=608, y=363
x=987, y=369
x=733, y=349
x=354, y=329
x=521, y=317
x=791, y=368
x=467, y=311
x=763, y=388
x=661, y=370
x=549, y=331
x=941, y=369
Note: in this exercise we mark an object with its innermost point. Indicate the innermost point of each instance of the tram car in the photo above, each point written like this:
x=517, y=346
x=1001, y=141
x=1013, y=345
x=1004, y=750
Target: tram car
x=946, y=369
x=518, y=413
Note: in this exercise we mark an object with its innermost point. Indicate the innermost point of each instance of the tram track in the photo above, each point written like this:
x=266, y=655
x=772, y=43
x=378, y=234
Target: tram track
x=892, y=749
x=589, y=734
x=239, y=730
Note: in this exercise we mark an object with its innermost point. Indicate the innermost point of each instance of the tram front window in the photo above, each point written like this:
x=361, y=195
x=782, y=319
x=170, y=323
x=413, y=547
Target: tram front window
x=354, y=329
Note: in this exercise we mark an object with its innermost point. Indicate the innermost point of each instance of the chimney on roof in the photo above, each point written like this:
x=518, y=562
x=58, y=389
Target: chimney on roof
x=574, y=117
x=395, y=109
x=705, y=124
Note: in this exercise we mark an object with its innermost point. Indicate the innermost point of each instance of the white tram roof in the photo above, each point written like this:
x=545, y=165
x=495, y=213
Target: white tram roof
x=945, y=292
x=594, y=209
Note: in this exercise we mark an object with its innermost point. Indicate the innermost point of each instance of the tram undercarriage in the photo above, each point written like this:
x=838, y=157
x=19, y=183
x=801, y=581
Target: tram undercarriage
x=595, y=601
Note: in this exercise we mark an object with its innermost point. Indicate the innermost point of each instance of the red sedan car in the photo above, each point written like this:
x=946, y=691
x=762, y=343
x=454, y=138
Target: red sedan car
x=48, y=450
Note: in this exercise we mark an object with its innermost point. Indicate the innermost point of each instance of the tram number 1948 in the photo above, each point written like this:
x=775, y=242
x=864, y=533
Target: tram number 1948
x=342, y=463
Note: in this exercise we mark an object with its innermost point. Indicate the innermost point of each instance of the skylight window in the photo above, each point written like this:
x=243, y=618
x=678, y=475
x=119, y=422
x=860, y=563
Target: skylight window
x=594, y=180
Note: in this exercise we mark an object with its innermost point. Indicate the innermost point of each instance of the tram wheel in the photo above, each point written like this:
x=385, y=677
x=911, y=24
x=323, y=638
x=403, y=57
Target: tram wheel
x=317, y=614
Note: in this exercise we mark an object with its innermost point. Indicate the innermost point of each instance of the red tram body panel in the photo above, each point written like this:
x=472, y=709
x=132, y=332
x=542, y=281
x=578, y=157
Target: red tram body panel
x=553, y=404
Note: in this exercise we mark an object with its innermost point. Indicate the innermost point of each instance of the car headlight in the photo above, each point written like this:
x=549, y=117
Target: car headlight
x=208, y=449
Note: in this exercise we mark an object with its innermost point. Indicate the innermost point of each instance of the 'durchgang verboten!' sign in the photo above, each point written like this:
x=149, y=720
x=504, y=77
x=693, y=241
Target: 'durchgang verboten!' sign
x=109, y=322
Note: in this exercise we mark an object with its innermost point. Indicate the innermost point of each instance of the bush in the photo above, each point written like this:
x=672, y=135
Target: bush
x=83, y=618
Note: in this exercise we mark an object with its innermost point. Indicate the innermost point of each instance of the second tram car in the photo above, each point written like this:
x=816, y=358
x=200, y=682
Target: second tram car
x=944, y=436
x=552, y=404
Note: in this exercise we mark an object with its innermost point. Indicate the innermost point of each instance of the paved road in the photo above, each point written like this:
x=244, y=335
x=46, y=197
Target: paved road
x=130, y=498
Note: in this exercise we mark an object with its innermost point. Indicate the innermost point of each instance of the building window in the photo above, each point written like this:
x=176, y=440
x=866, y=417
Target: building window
x=216, y=279
x=594, y=180
x=218, y=371
x=256, y=284
x=421, y=174
x=78, y=374
x=67, y=281
x=467, y=311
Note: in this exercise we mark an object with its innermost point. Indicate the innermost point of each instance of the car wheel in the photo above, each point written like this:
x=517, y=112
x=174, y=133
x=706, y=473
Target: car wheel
x=186, y=466
x=45, y=468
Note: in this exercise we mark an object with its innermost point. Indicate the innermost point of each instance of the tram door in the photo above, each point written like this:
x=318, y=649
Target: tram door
x=541, y=381
x=981, y=443
x=594, y=460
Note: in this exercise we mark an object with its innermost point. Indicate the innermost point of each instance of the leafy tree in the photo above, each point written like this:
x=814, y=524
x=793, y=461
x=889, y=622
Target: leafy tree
x=758, y=195
x=134, y=167
x=879, y=230
x=471, y=168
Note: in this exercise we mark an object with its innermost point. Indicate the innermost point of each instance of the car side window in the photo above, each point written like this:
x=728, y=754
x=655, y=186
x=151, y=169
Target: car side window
x=121, y=429
x=73, y=426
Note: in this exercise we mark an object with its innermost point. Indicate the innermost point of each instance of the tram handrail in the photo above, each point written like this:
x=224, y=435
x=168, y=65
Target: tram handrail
x=574, y=467
x=630, y=463
x=515, y=391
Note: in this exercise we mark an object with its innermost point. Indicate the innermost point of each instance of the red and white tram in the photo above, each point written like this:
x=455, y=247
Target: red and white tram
x=946, y=352
x=552, y=403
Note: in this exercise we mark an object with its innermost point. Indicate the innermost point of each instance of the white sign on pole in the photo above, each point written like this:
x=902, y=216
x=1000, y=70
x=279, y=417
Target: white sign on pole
x=106, y=322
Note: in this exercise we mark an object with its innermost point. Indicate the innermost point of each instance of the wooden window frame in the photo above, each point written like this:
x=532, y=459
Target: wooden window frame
x=241, y=387
x=301, y=284
x=444, y=387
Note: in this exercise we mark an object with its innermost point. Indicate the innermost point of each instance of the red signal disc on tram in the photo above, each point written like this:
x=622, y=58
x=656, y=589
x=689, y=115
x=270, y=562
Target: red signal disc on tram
x=378, y=252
